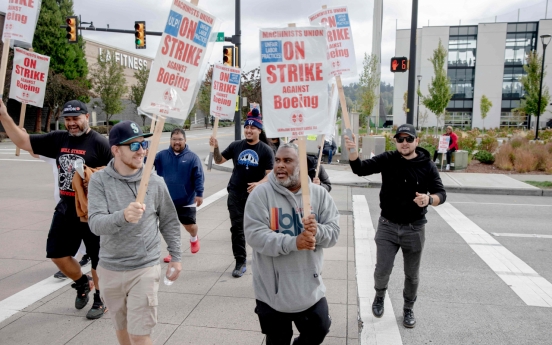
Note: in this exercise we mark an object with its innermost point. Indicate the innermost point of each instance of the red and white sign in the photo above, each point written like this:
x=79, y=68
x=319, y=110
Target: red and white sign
x=341, y=49
x=186, y=44
x=294, y=80
x=29, y=75
x=333, y=104
x=20, y=20
x=443, y=144
x=224, y=89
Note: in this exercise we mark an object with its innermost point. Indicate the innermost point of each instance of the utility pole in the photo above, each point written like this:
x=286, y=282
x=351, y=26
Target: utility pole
x=412, y=67
x=236, y=39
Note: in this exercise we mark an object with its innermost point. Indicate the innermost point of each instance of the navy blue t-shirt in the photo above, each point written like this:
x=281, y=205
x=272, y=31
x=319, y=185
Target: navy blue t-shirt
x=250, y=164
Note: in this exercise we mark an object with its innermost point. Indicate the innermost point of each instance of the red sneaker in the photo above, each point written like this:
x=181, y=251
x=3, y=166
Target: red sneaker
x=194, y=246
x=167, y=258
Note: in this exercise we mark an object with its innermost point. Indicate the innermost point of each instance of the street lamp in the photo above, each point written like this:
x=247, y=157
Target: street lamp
x=545, y=39
x=418, y=112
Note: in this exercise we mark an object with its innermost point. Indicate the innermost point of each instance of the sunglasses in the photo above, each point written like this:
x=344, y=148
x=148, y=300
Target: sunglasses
x=135, y=146
x=409, y=139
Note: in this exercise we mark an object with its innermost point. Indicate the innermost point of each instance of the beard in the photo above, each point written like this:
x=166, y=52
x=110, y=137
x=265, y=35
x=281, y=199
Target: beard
x=178, y=148
x=291, y=181
x=249, y=140
x=82, y=130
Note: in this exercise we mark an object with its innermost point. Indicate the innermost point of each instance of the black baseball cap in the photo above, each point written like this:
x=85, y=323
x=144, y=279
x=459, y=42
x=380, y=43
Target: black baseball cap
x=74, y=108
x=125, y=131
x=406, y=128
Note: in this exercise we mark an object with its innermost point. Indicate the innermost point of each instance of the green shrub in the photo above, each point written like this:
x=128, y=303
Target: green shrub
x=429, y=147
x=518, y=141
x=100, y=129
x=62, y=127
x=467, y=143
x=114, y=122
x=488, y=143
x=168, y=127
x=484, y=157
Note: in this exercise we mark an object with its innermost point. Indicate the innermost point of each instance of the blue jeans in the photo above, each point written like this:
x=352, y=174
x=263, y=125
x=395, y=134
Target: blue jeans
x=389, y=238
x=330, y=154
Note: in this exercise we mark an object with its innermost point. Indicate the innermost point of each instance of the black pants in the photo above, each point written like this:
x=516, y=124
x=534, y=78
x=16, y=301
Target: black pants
x=313, y=324
x=449, y=155
x=236, y=208
x=389, y=238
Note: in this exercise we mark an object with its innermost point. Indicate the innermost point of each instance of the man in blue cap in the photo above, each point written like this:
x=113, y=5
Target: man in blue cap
x=77, y=144
x=253, y=160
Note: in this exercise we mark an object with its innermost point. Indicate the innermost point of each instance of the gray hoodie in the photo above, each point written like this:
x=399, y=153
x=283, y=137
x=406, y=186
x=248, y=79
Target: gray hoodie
x=126, y=246
x=285, y=278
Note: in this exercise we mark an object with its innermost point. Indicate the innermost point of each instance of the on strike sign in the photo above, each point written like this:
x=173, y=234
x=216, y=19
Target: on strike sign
x=28, y=80
x=294, y=80
x=21, y=20
x=224, y=89
x=341, y=50
x=185, y=44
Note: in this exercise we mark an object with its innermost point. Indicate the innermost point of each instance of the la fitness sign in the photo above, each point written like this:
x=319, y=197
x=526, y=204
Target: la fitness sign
x=126, y=60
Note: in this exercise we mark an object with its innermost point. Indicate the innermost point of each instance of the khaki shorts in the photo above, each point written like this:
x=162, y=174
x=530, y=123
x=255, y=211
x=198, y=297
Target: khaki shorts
x=131, y=298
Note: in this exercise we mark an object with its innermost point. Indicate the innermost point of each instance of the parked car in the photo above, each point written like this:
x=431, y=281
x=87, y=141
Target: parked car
x=549, y=124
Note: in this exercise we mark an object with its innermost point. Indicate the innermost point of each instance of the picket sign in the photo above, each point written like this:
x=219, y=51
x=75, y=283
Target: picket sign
x=212, y=148
x=4, y=65
x=153, y=93
x=341, y=64
x=320, y=155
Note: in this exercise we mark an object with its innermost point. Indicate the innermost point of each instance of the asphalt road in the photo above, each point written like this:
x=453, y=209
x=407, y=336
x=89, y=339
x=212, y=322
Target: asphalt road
x=461, y=300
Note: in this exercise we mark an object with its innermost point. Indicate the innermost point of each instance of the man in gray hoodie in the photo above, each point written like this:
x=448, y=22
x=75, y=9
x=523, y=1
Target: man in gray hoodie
x=130, y=250
x=288, y=253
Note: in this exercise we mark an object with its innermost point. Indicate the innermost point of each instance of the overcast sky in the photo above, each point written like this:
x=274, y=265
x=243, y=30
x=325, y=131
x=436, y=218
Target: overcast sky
x=121, y=14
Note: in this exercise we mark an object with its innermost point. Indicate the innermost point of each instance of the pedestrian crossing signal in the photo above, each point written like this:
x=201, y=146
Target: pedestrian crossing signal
x=399, y=64
x=72, y=23
x=228, y=55
x=140, y=34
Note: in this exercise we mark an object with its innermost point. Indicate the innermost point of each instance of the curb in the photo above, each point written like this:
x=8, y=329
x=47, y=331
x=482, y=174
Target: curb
x=216, y=166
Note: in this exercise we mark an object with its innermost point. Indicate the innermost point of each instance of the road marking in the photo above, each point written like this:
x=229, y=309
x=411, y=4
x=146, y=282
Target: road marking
x=496, y=203
x=533, y=289
x=506, y=234
x=22, y=160
x=373, y=330
x=24, y=298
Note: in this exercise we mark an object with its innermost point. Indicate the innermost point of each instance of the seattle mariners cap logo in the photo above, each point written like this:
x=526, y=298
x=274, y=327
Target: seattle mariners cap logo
x=134, y=128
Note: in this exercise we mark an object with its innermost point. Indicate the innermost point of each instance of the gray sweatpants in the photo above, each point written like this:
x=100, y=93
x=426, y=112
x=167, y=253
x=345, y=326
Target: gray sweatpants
x=389, y=238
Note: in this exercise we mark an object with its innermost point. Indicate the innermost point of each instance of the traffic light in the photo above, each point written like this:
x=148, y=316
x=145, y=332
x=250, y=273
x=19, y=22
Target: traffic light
x=72, y=24
x=228, y=55
x=140, y=33
x=399, y=64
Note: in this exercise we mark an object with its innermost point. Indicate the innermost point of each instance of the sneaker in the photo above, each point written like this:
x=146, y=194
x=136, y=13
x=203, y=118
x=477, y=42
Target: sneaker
x=239, y=270
x=377, y=306
x=82, y=293
x=98, y=308
x=60, y=275
x=448, y=167
x=409, y=320
x=194, y=246
x=167, y=258
x=85, y=260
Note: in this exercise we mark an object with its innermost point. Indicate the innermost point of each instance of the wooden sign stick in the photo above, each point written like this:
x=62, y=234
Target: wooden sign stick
x=148, y=167
x=320, y=155
x=21, y=124
x=4, y=66
x=344, y=112
x=152, y=126
x=212, y=149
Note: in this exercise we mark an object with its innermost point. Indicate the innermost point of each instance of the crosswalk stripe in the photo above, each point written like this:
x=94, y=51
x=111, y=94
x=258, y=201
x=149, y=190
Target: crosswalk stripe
x=533, y=289
x=372, y=330
x=507, y=234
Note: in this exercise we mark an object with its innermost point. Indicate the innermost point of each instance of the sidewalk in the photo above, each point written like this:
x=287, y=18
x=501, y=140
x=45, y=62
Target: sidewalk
x=205, y=306
x=454, y=182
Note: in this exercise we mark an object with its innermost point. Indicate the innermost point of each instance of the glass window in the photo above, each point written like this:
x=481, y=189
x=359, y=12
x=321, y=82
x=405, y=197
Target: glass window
x=468, y=104
x=505, y=104
x=515, y=104
x=522, y=27
x=511, y=28
x=453, y=30
x=532, y=27
x=473, y=30
x=463, y=30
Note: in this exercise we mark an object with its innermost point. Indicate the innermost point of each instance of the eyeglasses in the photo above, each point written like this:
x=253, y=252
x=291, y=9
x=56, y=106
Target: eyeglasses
x=135, y=146
x=178, y=140
x=409, y=139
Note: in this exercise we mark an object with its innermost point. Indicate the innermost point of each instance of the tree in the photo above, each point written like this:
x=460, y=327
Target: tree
x=439, y=88
x=424, y=115
x=108, y=80
x=369, y=80
x=531, y=86
x=251, y=88
x=485, y=107
x=204, y=95
x=405, y=102
x=137, y=90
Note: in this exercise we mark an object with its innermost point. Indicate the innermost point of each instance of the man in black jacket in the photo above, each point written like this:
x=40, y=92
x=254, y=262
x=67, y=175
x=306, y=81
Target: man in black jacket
x=410, y=182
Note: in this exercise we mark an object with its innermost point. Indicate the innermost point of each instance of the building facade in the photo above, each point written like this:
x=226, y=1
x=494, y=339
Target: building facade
x=485, y=59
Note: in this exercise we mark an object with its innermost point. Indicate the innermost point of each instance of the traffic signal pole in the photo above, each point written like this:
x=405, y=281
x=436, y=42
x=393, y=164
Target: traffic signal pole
x=236, y=39
x=412, y=68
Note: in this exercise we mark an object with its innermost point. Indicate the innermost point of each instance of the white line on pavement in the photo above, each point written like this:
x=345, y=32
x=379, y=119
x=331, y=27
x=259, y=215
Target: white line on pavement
x=507, y=234
x=24, y=298
x=533, y=289
x=22, y=160
x=374, y=331
x=495, y=203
